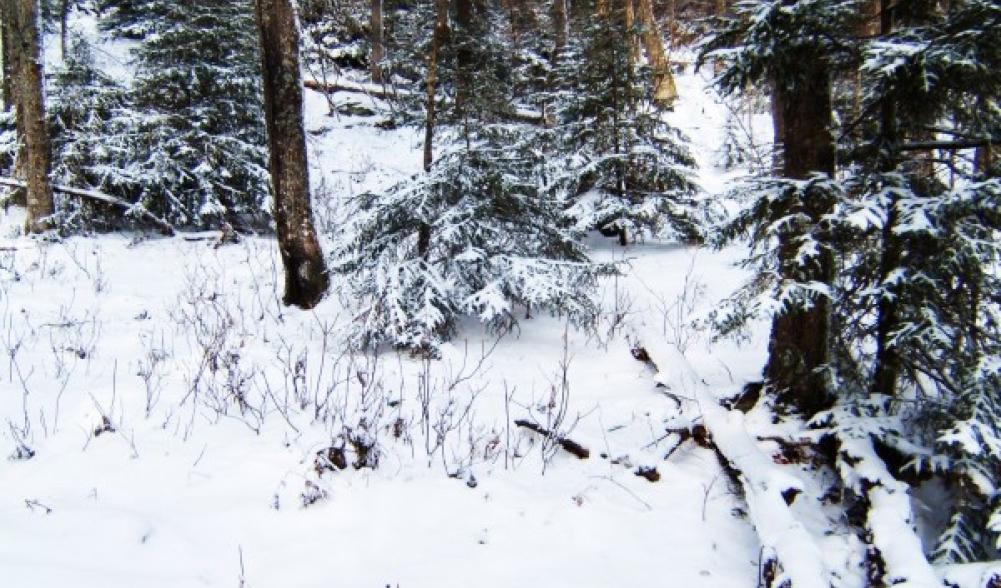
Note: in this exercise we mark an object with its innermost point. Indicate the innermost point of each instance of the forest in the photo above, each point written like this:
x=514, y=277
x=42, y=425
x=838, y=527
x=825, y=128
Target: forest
x=434, y=293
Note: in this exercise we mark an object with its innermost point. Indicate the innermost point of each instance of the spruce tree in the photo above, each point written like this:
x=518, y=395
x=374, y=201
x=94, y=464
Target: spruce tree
x=919, y=286
x=625, y=169
x=479, y=233
x=795, y=48
x=199, y=156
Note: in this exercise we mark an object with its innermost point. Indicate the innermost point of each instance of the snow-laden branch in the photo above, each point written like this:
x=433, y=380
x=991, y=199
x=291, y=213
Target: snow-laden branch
x=522, y=115
x=165, y=227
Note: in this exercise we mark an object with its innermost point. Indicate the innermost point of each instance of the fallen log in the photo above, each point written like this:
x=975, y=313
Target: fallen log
x=894, y=555
x=165, y=228
x=790, y=555
x=389, y=93
x=768, y=491
x=569, y=445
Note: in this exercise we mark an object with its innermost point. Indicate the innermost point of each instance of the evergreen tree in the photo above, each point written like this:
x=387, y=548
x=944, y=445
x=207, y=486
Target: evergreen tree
x=479, y=233
x=795, y=48
x=198, y=138
x=627, y=171
x=89, y=119
x=919, y=286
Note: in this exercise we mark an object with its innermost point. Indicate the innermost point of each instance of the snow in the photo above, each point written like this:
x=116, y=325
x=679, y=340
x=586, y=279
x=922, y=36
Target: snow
x=220, y=399
x=890, y=517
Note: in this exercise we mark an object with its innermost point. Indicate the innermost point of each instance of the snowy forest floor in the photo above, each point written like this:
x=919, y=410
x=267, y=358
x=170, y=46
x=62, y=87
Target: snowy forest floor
x=174, y=412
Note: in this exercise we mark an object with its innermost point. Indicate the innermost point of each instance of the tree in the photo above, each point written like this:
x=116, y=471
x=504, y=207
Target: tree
x=794, y=47
x=306, y=278
x=195, y=126
x=29, y=98
x=377, y=52
x=6, y=54
x=479, y=232
x=626, y=171
x=665, y=92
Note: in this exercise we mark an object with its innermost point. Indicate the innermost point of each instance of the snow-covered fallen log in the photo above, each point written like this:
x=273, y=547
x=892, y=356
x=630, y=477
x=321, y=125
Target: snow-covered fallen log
x=165, y=227
x=768, y=492
x=895, y=554
x=791, y=556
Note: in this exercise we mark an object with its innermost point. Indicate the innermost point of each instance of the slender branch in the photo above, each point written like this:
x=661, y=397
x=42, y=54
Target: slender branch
x=165, y=227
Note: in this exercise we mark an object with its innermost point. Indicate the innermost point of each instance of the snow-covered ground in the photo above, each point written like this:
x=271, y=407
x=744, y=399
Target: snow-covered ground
x=173, y=412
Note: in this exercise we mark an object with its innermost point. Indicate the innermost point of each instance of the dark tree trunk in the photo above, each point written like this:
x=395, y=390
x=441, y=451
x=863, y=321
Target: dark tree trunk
x=561, y=25
x=437, y=40
x=306, y=278
x=799, y=344
x=29, y=98
x=6, y=50
x=887, y=365
x=463, y=37
x=377, y=55
x=64, y=20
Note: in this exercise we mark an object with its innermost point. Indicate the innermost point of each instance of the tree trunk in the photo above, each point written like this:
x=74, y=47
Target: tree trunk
x=306, y=278
x=799, y=344
x=378, y=53
x=665, y=92
x=29, y=98
x=464, y=55
x=984, y=161
x=887, y=365
x=629, y=11
x=561, y=24
x=7, y=53
x=64, y=21
x=437, y=40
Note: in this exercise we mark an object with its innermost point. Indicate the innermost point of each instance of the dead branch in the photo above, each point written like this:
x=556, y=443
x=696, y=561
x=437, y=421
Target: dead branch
x=569, y=445
x=388, y=93
x=166, y=228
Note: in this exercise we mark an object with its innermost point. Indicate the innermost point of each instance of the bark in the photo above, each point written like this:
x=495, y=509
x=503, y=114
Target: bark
x=64, y=18
x=799, y=342
x=464, y=55
x=561, y=24
x=306, y=278
x=887, y=364
x=437, y=40
x=629, y=11
x=378, y=52
x=568, y=445
x=6, y=51
x=29, y=97
x=984, y=160
x=665, y=92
